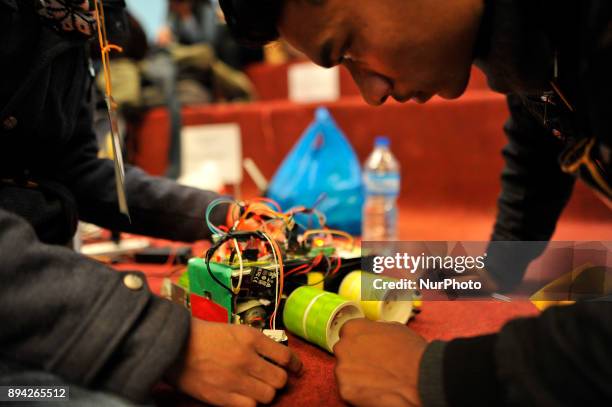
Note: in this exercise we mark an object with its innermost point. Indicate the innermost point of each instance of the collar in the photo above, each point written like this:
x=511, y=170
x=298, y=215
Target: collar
x=72, y=17
x=513, y=47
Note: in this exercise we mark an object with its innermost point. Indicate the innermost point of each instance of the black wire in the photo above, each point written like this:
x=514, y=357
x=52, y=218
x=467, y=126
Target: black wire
x=238, y=235
x=325, y=276
x=209, y=255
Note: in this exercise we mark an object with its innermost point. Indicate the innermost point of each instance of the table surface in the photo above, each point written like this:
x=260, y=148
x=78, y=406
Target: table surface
x=438, y=320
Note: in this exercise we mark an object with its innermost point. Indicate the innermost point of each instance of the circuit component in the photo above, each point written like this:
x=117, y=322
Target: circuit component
x=277, y=335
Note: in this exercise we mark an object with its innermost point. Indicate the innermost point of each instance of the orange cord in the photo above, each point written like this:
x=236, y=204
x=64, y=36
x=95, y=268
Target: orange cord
x=281, y=278
x=105, y=47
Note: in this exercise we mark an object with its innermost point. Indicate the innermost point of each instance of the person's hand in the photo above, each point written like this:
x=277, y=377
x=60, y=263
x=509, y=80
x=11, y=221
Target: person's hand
x=378, y=364
x=224, y=365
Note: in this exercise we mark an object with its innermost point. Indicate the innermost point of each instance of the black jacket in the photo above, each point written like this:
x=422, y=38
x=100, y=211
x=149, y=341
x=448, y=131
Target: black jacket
x=564, y=357
x=60, y=311
x=523, y=45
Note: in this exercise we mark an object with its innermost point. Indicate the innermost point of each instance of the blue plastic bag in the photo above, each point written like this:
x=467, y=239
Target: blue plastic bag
x=322, y=169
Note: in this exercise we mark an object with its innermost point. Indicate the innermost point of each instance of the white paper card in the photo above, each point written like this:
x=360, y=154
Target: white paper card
x=219, y=143
x=311, y=83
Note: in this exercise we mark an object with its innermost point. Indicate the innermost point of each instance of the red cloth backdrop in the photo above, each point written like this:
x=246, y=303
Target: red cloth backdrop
x=450, y=152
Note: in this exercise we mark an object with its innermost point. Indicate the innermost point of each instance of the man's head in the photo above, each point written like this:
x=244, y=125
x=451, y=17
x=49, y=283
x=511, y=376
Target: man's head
x=399, y=48
x=182, y=8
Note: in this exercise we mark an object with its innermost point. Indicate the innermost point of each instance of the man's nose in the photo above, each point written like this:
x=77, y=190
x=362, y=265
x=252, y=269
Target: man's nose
x=375, y=89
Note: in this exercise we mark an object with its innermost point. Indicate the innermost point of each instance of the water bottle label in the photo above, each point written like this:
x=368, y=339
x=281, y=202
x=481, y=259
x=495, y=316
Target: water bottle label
x=382, y=184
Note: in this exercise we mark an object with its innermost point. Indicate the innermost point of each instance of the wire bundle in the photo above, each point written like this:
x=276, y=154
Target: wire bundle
x=262, y=220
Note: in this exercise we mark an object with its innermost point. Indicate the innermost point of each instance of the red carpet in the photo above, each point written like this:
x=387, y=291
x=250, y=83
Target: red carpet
x=439, y=320
x=449, y=151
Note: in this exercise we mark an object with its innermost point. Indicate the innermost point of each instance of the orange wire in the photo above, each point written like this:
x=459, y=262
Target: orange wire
x=268, y=200
x=105, y=47
x=281, y=276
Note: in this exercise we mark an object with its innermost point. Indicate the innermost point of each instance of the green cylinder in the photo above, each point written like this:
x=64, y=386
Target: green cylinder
x=318, y=316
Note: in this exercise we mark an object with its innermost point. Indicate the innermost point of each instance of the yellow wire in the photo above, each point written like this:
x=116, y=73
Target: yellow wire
x=236, y=289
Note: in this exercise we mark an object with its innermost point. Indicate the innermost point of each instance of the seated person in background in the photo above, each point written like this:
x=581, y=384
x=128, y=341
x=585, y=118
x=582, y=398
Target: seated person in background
x=197, y=63
x=192, y=22
x=554, y=61
x=69, y=320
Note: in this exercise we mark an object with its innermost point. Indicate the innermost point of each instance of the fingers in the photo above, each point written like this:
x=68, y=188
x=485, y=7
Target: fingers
x=229, y=388
x=279, y=354
x=255, y=389
x=366, y=397
x=354, y=326
x=211, y=395
x=230, y=369
x=268, y=373
x=348, y=332
x=238, y=400
x=361, y=386
x=231, y=399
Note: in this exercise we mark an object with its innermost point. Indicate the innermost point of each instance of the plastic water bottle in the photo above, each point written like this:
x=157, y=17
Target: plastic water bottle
x=381, y=176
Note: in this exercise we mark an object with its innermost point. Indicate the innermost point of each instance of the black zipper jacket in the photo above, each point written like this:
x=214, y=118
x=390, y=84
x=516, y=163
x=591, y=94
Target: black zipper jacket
x=563, y=357
x=60, y=311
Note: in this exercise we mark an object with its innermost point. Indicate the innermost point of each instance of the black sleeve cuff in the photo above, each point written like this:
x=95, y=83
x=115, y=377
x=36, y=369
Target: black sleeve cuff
x=469, y=372
x=126, y=344
x=431, y=383
x=144, y=358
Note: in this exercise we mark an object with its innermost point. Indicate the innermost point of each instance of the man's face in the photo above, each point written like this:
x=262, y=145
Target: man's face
x=406, y=49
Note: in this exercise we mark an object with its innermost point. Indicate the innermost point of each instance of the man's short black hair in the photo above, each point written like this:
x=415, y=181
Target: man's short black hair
x=253, y=22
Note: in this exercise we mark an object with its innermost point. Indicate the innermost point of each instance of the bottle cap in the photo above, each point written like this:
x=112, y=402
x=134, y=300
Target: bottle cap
x=382, y=141
x=322, y=114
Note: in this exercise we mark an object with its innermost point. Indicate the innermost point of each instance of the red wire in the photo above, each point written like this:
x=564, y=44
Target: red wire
x=296, y=269
x=171, y=257
x=337, y=266
x=306, y=268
